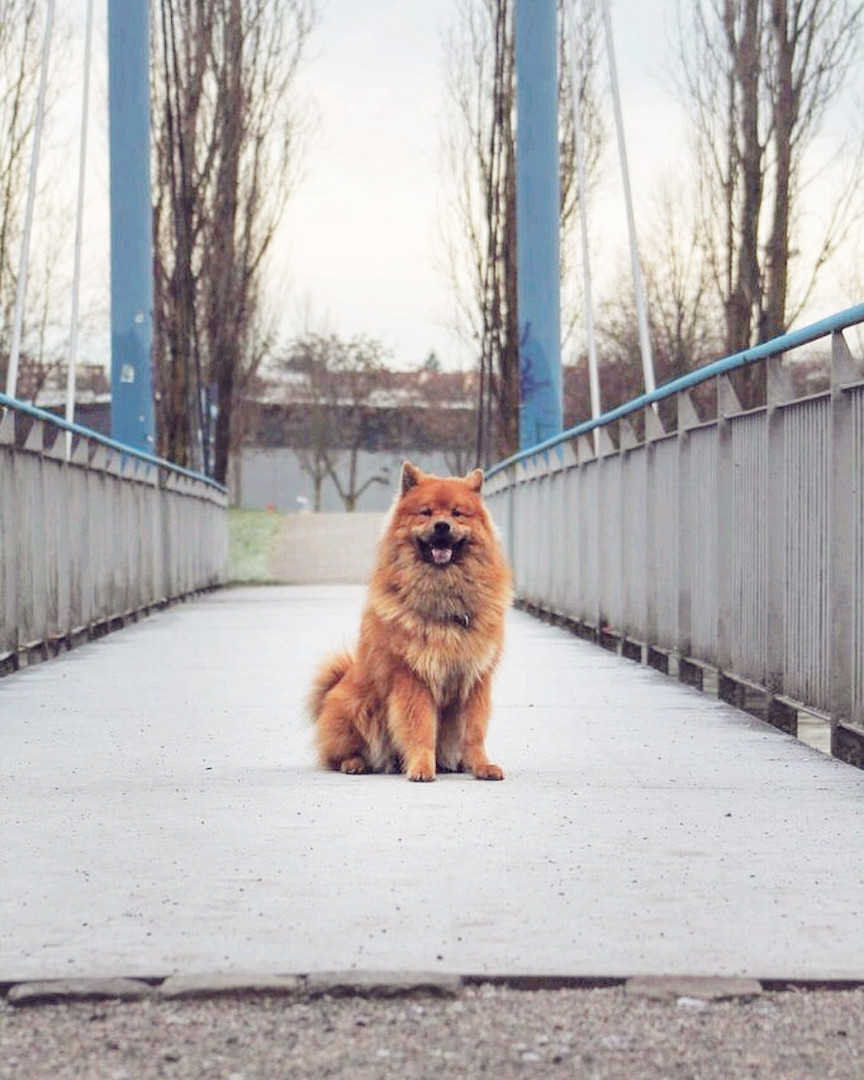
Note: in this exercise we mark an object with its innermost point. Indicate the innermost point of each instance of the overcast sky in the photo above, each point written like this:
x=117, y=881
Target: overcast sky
x=360, y=250
x=362, y=240
x=360, y=246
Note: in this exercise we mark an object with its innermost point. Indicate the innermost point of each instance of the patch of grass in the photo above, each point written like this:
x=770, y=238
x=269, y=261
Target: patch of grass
x=250, y=537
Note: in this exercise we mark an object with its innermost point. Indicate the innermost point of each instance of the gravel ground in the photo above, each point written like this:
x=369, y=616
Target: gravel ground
x=488, y=1031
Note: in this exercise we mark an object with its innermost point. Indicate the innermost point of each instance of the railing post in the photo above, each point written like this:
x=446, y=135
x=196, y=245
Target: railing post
x=509, y=515
x=9, y=533
x=687, y=419
x=778, y=393
x=633, y=572
x=569, y=564
x=727, y=407
x=651, y=621
x=557, y=527
x=654, y=430
x=844, y=370
x=589, y=530
x=605, y=450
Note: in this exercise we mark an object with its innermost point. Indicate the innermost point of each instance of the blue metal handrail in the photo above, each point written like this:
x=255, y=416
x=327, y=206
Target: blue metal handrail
x=88, y=433
x=784, y=343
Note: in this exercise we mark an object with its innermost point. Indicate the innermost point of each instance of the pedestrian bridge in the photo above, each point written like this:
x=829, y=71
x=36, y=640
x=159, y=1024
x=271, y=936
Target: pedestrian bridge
x=161, y=809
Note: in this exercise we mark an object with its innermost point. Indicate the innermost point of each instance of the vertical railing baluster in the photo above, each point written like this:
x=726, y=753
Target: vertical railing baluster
x=8, y=532
x=569, y=561
x=687, y=420
x=844, y=370
x=778, y=393
x=727, y=407
x=605, y=449
x=651, y=513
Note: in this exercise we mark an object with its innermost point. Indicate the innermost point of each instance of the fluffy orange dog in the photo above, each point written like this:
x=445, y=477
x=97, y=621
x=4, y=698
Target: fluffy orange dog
x=417, y=692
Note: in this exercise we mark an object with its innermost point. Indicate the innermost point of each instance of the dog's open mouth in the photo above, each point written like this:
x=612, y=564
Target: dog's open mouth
x=440, y=552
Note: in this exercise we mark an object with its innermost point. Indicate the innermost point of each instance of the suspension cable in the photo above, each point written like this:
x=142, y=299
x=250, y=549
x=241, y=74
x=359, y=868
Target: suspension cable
x=593, y=373
x=72, y=366
x=638, y=287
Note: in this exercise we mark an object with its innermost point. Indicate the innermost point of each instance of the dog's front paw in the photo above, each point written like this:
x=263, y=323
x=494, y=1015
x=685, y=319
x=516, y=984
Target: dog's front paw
x=488, y=772
x=421, y=769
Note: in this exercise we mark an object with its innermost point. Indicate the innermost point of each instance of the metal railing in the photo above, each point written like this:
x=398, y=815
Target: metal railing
x=728, y=552
x=93, y=534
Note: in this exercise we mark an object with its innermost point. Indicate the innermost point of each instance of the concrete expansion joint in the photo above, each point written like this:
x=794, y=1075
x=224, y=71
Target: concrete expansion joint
x=184, y=987
x=694, y=990
x=361, y=984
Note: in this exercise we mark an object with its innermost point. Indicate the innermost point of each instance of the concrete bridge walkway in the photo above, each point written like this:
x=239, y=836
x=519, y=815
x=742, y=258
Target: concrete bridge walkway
x=161, y=814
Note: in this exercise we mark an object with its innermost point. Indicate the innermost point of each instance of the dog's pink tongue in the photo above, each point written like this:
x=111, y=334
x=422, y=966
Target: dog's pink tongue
x=441, y=556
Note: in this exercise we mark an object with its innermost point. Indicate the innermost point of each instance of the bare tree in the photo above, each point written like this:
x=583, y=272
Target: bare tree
x=684, y=314
x=340, y=383
x=22, y=25
x=479, y=148
x=448, y=403
x=760, y=76
x=227, y=129
x=19, y=64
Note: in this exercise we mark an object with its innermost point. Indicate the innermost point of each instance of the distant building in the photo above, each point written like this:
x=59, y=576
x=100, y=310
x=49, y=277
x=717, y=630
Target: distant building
x=44, y=385
x=291, y=434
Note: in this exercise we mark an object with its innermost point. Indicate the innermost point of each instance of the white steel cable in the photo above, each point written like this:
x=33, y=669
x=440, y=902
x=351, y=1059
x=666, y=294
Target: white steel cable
x=593, y=373
x=638, y=287
x=21, y=291
x=72, y=364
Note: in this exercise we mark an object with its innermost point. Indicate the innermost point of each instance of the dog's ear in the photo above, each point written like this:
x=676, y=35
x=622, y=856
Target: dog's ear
x=410, y=477
x=475, y=479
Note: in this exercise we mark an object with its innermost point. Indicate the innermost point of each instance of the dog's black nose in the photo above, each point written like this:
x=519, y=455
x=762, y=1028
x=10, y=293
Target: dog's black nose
x=441, y=528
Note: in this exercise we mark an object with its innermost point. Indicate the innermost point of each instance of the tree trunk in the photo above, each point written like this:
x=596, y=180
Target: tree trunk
x=225, y=152
x=777, y=262
x=226, y=322
x=746, y=293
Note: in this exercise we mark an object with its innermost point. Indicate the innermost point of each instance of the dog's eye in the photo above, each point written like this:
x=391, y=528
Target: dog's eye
x=457, y=512
x=426, y=512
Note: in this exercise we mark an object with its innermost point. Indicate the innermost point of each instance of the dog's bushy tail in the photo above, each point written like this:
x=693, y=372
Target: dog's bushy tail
x=330, y=673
